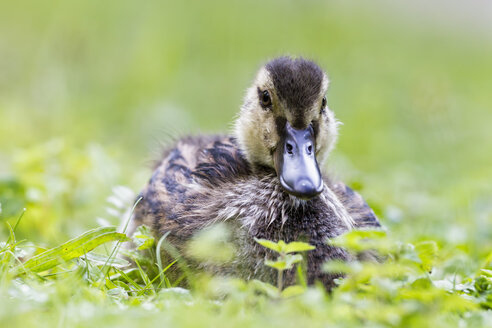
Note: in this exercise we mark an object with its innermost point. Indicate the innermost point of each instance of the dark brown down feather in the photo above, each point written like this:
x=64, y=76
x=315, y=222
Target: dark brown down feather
x=206, y=180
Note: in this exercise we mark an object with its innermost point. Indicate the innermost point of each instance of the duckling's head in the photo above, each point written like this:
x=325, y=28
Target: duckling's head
x=286, y=125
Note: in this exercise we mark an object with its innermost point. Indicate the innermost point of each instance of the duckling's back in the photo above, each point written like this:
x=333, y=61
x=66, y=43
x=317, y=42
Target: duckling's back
x=187, y=172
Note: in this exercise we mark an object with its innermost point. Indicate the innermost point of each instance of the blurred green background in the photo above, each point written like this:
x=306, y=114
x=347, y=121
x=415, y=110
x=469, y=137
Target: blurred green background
x=90, y=91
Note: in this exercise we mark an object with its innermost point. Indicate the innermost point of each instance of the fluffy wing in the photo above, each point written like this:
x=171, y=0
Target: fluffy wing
x=362, y=214
x=192, y=166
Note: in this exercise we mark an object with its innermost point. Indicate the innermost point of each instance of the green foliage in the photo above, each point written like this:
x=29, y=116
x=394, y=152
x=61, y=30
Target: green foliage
x=285, y=261
x=411, y=279
x=282, y=248
x=212, y=245
x=142, y=237
x=427, y=253
x=404, y=289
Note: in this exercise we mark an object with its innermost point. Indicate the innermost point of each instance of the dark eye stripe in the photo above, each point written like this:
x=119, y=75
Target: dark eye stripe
x=315, y=127
x=323, y=105
x=280, y=125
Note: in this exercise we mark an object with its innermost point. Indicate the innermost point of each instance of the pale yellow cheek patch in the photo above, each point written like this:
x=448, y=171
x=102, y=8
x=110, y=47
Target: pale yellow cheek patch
x=327, y=136
x=257, y=135
x=270, y=137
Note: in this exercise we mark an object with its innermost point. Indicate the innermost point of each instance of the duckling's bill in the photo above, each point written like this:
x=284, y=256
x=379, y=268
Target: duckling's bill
x=296, y=164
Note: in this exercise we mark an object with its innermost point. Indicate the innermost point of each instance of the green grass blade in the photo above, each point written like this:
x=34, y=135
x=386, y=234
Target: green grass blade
x=163, y=277
x=159, y=257
x=128, y=279
x=114, y=252
x=72, y=249
x=12, y=232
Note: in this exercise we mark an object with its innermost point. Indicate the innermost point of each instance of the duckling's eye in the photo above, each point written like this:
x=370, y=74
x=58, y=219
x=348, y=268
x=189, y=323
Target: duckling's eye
x=323, y=105
x=265, y=99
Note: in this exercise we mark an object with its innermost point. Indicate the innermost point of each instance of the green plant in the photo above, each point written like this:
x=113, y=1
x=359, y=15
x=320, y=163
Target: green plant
x=286, y=260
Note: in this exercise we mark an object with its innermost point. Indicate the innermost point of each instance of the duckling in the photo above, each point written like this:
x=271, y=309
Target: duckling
x=264, y=181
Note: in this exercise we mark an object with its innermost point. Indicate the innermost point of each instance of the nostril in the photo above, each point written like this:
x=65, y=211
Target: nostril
x=289, y=147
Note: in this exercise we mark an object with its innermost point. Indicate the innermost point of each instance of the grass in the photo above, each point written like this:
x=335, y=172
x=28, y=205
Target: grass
x=89, y=91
